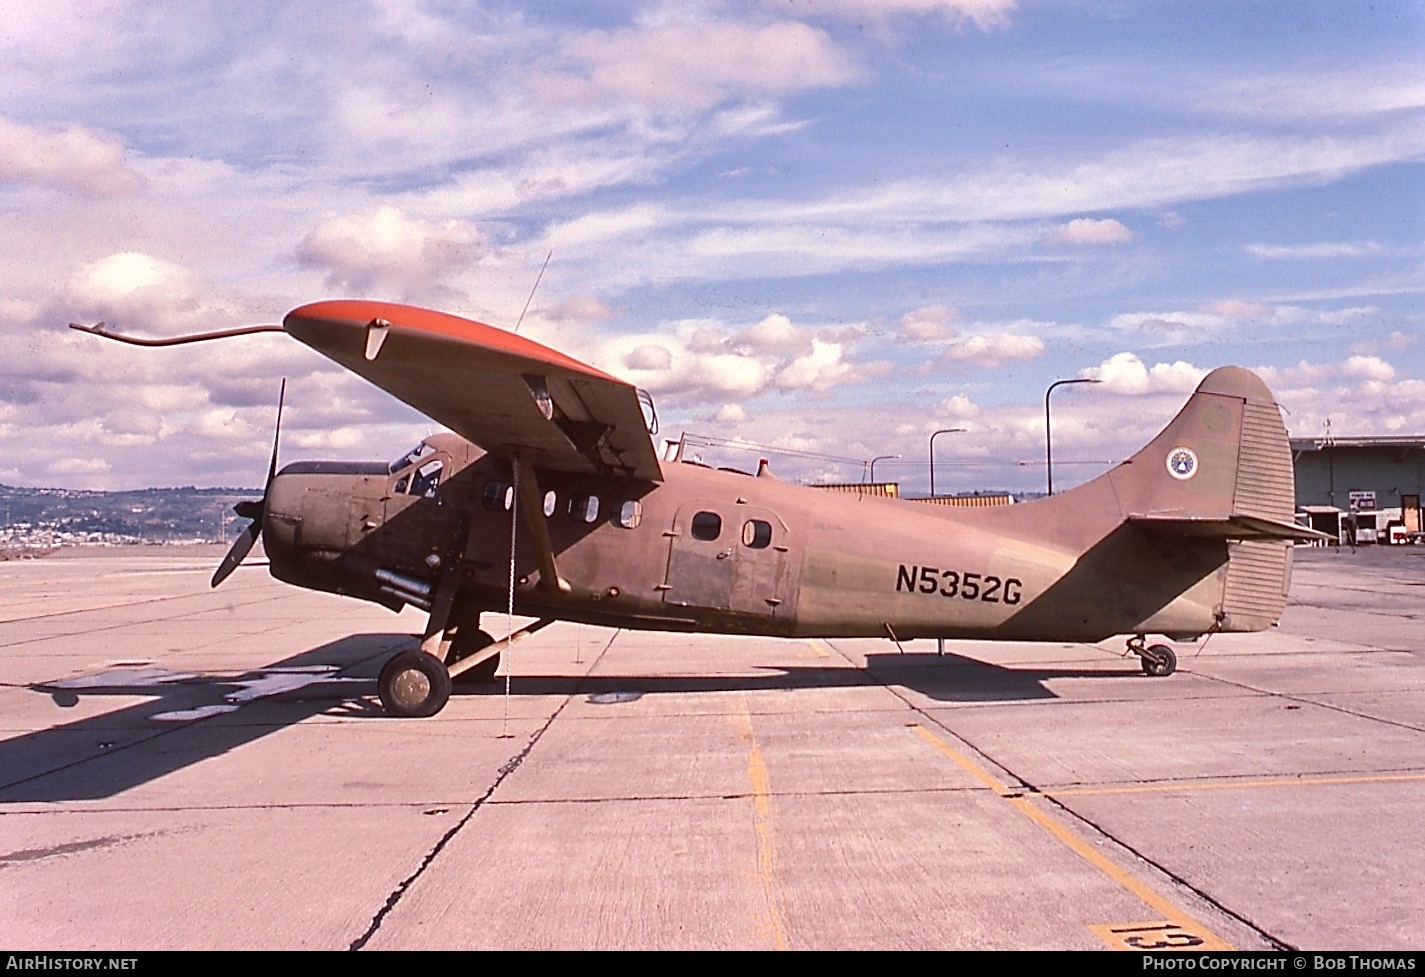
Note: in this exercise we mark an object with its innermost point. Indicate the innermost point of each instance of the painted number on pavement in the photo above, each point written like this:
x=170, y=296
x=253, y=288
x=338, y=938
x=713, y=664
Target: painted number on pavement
x=1159, y=935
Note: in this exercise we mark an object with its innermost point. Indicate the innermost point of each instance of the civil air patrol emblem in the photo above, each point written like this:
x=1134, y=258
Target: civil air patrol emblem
x=1182, y=463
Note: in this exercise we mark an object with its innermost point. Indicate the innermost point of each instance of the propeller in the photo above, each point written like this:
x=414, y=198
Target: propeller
x=250, y=509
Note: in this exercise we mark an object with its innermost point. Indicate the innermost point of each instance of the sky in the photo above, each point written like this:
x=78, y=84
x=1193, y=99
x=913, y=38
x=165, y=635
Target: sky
x=830, y=227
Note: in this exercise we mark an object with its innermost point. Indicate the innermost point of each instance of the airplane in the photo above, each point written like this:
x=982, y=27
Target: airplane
x=549, y=500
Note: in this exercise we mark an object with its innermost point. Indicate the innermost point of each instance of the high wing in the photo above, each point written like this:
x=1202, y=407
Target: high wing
x=508, y=394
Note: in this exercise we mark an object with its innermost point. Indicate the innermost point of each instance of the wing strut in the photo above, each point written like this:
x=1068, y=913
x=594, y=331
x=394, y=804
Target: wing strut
x=531, y=503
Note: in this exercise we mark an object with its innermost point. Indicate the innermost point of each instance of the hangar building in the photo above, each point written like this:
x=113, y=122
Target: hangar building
x=1379, y=478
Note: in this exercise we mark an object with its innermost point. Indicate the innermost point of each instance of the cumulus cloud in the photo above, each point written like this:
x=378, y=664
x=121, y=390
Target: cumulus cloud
x=1395, y=343
x=776, y=334
x=1359, y=395
x=1368, y=368
x=1125, y=373
x=959, y=407
x=995, y=350
x=668, y=365
x=703, y=361
x=1177, y=326
x=578, y=308
x=1085, y=230
x=138, y=291
x=71, y=158
x=818, y=370
x=650, y=356
x=929, y=322
x=386, y=251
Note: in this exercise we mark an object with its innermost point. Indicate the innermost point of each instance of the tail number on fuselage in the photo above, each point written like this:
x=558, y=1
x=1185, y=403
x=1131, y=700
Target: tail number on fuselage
x=953, y=583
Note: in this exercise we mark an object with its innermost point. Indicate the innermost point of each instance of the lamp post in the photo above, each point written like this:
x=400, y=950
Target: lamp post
x=1048, y=436
x=873, y=465
x=944, y=430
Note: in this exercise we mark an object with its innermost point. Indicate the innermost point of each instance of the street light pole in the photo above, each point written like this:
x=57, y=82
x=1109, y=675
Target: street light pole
x=873, y=465
x=945, y=430
x=1048, y=435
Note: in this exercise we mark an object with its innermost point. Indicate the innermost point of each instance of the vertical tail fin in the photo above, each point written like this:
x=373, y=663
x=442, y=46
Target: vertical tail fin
x=1222, y=469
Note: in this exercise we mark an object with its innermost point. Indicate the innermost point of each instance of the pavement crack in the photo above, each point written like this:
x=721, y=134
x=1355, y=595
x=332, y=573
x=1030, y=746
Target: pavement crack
x=1018, y=787
x=1303, y=700
x=1175, y=878
x=398, y=893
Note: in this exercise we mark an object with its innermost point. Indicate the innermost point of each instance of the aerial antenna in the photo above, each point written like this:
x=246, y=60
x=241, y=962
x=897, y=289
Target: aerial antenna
x=533, y=290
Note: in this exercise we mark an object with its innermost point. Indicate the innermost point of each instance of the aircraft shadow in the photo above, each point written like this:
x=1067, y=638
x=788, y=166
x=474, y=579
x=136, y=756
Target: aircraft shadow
x=101, y=756
x=948, y=678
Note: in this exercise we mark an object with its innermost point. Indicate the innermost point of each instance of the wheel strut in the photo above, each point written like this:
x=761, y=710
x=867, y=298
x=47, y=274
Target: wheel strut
x=1157, y=660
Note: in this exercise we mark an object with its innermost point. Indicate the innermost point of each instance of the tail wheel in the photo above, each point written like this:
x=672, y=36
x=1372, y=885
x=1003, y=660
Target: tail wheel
x=413, y=685
x=1159, y=660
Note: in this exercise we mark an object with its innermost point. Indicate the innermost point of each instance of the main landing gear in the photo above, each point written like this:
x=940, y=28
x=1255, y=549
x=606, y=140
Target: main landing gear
x=415, y=683
x=1157, y=660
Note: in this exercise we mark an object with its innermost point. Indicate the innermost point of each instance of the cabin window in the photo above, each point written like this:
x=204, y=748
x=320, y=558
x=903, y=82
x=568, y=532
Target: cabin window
x=584, y=508
x=427, y=478
x=757, y=534
x=402, y=483
x=630, y=514
x=550, y=502
x=498, y=496
x=707, y=526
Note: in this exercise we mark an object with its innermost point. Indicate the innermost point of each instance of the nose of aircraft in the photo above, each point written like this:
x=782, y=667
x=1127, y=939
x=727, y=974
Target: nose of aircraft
x=282, y=520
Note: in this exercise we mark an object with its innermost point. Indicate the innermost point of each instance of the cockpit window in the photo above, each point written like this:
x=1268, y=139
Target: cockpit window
x=410, y=457
x=427, y=478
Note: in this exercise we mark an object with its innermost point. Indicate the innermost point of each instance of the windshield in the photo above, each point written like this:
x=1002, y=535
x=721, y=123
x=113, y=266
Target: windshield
x=410, y=457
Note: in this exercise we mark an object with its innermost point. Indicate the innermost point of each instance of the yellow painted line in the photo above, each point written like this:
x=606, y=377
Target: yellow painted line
x=974, y=769
x=1233, y=784
x=818, y=650
x=774, y=921
x=1076, y=844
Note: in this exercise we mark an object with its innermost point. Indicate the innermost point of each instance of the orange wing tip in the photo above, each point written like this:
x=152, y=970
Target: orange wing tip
x=362, y=313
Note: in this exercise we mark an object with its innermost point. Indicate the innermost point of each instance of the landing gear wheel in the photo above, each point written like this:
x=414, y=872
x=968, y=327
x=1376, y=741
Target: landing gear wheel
x=468, y=643
x=413, y=685
x=1159, y=660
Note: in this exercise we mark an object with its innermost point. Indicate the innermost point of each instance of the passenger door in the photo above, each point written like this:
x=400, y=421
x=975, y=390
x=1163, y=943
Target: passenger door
x=726, y=558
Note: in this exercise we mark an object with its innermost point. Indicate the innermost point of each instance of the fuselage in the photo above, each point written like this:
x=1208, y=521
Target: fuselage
x=722, y=551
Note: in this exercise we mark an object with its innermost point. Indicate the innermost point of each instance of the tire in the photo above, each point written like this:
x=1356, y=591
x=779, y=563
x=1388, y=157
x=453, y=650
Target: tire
x=468, y=643
x=413, y=685
x=1159, y=661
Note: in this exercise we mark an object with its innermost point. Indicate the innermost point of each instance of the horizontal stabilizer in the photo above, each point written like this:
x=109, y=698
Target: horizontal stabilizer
x=1233, y=527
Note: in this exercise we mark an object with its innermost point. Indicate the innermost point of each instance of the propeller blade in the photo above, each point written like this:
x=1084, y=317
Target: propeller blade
x=276, y=437
x=241, y=547
x=254, y=510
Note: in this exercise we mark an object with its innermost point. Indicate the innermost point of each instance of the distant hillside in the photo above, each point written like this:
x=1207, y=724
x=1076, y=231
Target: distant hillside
x=43, y=517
